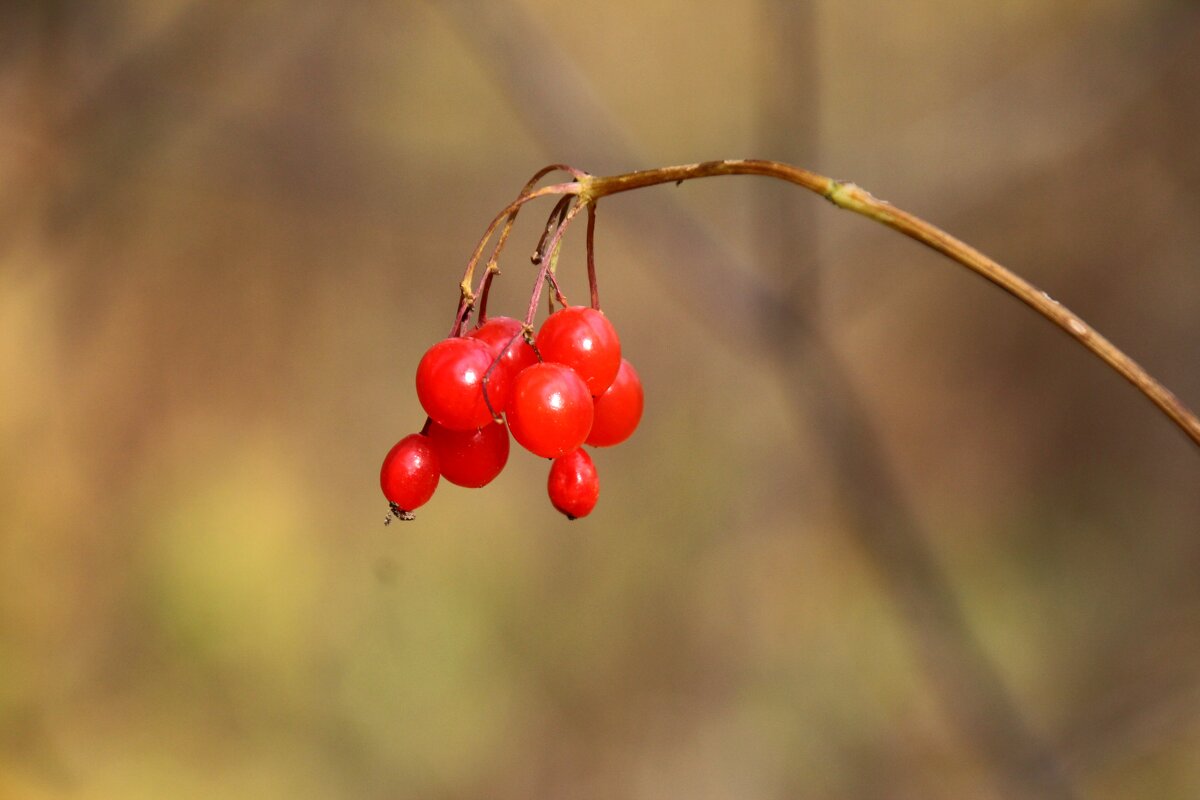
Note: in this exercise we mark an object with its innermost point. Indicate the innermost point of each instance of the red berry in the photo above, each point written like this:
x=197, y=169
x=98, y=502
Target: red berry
x=583, y=339
x=470, y=458
x=503, y=335
x=550, y=412
x=618, y=410
x=450, y=383
x=574, y=486
x=410, y=473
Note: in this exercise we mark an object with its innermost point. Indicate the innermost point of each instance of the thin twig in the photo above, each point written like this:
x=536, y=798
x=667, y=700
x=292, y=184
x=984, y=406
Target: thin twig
x=591, y=256
x=466, y=296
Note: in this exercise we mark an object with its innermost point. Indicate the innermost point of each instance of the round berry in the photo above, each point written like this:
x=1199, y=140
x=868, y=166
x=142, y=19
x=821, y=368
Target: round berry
x=550, y=412
x=618, y=410
x=470, y=458
x=583, y=339
x=410, y=473
x=451, y=383
x=503, y=335
x=574, y=485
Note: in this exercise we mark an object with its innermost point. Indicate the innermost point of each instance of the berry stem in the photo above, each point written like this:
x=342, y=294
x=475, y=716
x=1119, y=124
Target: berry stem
x=552, y=279
x=553, y=223
x=493, y=263
x=591, y=255
x=544, y=272
x=485, y=289
x=507, y=216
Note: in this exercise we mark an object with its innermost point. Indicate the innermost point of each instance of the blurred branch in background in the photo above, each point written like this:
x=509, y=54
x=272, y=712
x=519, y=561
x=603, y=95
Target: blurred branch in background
x=1041, y=111
x=95, y=130
x=545, y=85
x=110, y=107
x=789, y=131
x=1159, y=697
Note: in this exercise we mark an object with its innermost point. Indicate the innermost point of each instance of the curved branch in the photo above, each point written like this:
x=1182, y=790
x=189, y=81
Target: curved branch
x=853, y=198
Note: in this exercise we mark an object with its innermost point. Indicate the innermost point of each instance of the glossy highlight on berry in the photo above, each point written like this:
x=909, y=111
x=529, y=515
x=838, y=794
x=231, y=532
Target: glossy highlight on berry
x=583, y=339
x=450, y=384
x=550, y=412
x=409, y=474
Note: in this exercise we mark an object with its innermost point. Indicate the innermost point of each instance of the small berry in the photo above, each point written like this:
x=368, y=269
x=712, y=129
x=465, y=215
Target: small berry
x=450, y=384
x=470, y=458
x=574, y=486
x=503, y=335
x=618, y=410
x=550, y=412
x=583, y=339
x=409, y=474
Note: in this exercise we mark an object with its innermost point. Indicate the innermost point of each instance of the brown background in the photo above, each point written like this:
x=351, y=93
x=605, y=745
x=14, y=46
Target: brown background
x=904, y=540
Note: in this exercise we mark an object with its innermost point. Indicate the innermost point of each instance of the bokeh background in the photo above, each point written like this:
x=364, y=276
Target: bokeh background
x=883, y=533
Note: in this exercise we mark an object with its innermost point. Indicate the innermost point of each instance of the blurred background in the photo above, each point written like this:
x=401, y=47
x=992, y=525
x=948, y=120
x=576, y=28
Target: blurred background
x=883, y=532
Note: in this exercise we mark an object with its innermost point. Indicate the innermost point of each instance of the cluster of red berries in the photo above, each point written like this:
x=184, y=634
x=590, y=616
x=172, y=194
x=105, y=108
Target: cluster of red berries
x=564, y=388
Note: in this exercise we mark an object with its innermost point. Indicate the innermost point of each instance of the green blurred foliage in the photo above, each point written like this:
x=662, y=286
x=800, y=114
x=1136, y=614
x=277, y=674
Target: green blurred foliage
x=228, y=231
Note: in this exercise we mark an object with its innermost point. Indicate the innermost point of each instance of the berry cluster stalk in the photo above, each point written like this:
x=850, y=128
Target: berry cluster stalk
x=588, y=189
